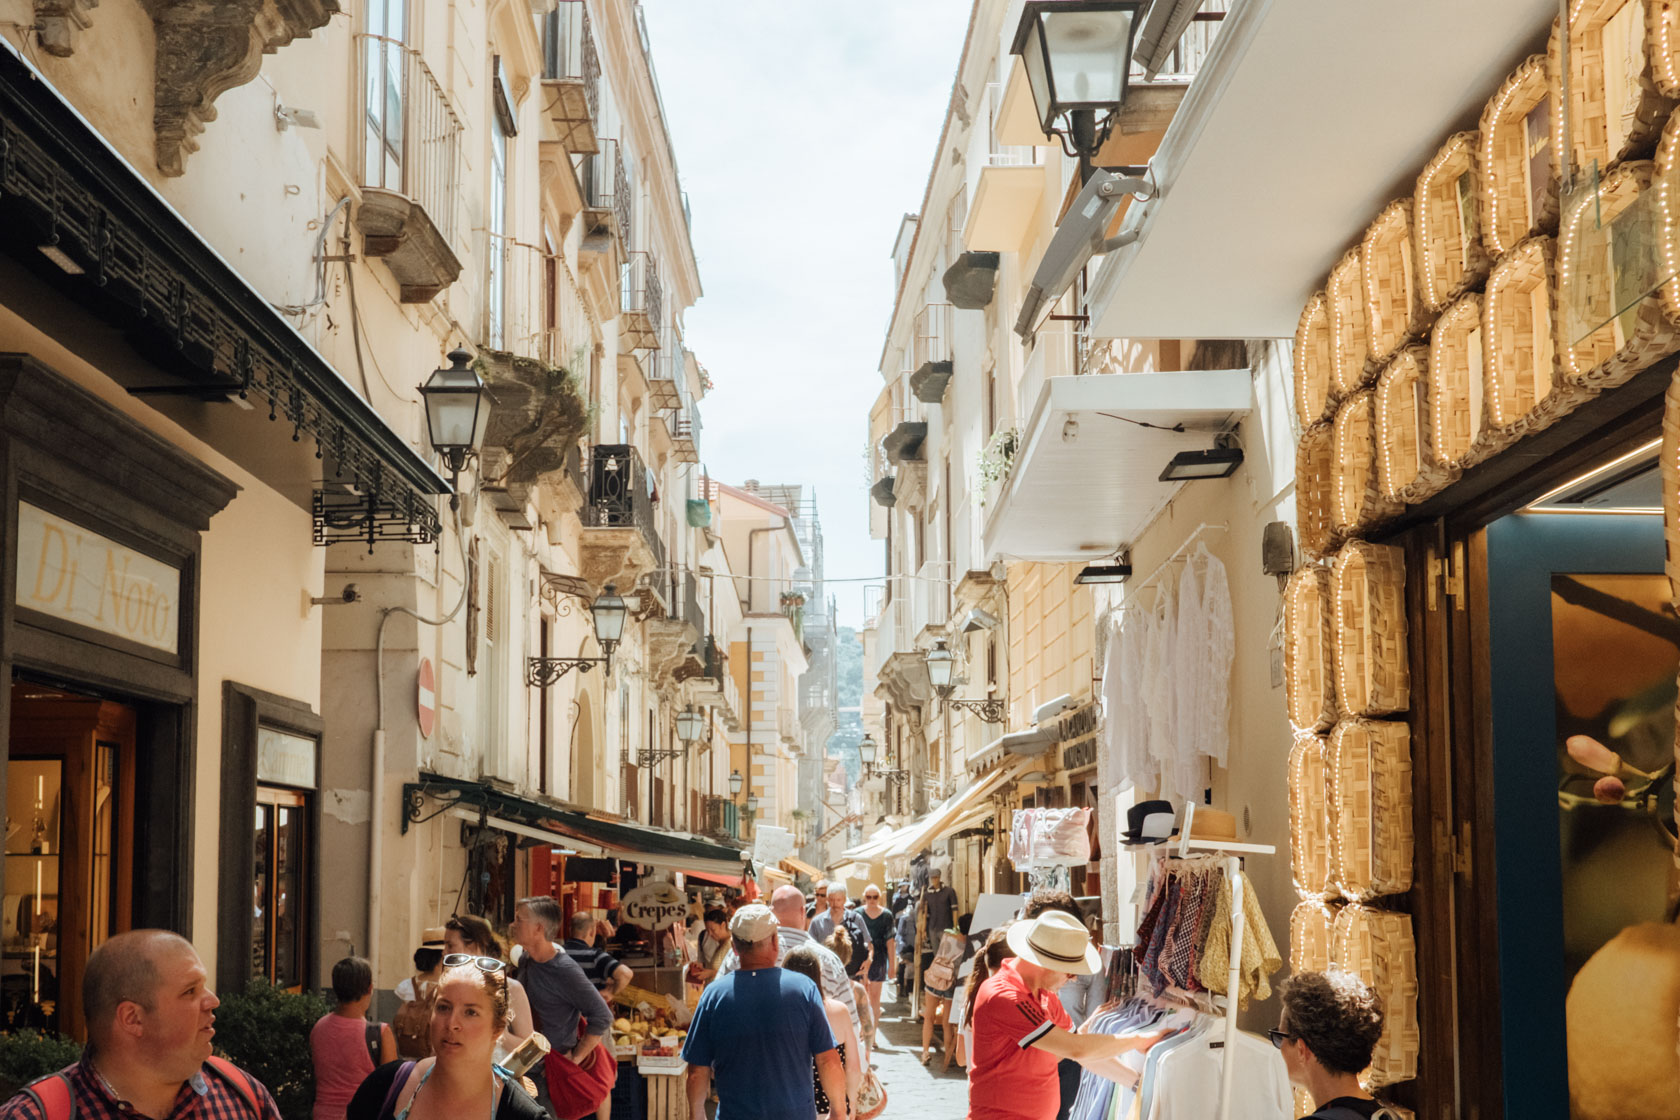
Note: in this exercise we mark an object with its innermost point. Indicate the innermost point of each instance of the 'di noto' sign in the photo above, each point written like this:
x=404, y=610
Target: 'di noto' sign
x=80, y=576
x=654, y=906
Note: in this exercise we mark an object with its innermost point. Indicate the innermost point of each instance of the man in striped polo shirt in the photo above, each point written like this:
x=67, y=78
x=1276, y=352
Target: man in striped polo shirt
x=604, y=971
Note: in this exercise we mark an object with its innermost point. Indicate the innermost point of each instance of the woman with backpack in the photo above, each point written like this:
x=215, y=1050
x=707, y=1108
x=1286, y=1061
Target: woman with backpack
x=343, y=1046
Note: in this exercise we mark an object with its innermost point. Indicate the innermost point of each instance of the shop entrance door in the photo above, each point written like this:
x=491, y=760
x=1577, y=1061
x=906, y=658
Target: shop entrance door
x=68, y=851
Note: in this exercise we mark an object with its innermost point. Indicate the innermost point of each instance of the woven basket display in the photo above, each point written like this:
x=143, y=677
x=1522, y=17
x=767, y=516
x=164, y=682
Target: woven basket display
x=1453, y=386
x=1312, y=931
x=1309, y=817
x=1358, y=501
x=1314, y=491
x=1368, y=604
x=1407, y=468
x=1377, y=946
x=1605, y=348
x=1662, y=38
x=1519, y=191
x=1350, y=339
x=1666, y=174
x=1447, y=225
x=1308, y=691
x=1369, y=764
x=1615, y=107
x=1392, y=315
x=1313, y=392
x=1522, y=389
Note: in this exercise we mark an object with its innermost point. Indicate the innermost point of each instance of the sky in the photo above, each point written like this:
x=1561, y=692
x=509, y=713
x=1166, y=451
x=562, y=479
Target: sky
x=804, y=131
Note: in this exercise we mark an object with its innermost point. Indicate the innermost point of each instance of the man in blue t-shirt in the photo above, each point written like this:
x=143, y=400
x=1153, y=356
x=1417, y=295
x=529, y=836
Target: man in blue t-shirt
x=756, y=1031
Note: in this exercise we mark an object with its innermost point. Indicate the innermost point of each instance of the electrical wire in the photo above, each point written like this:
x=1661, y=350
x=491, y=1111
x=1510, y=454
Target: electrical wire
x=1144, y=423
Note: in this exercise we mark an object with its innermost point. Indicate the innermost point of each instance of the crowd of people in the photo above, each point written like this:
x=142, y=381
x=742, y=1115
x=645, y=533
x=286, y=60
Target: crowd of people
x=785, y=1022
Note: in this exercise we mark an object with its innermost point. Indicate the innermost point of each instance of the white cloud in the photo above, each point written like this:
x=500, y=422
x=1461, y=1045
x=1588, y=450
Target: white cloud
x=803, y=131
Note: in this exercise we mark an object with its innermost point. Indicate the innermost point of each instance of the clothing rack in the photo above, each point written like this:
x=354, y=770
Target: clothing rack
x=1233, y=852
x=1180, y=552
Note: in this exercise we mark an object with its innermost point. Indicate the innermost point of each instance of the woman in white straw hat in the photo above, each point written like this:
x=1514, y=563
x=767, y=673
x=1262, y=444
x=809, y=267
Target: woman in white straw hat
x=1021, y=1029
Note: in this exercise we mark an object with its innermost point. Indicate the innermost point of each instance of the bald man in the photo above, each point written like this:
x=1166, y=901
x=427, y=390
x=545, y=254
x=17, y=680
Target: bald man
x=789, y=907
x=150, y=1017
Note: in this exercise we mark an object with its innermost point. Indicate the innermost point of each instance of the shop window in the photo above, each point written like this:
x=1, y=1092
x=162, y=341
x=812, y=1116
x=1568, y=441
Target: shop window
x=278, y=948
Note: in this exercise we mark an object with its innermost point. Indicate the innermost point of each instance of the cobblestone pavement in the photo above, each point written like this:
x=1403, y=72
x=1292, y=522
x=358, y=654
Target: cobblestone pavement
x=915, y=1091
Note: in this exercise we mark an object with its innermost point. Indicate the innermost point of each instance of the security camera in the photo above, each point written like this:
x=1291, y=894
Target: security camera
x=289, y=116
x=1080, y=235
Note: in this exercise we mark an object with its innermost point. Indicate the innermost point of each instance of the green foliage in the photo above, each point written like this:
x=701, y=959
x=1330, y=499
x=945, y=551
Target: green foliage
x=997, y=458
x=26, y=1055
x=265, y=1031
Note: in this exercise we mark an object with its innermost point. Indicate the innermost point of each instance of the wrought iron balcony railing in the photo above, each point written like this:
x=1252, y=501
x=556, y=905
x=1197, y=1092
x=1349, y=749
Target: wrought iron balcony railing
x=606, y=186
x=411, y=137
x=569, y=51
x=640, y=299
x=621, y=495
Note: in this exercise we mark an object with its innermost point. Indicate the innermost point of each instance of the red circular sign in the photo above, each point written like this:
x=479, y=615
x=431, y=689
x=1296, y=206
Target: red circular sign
x=425, y=705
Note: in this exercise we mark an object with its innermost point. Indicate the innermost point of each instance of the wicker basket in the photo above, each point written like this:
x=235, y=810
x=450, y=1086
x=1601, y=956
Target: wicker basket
x=1454, y=384
x=1670, y=461
x=1312, y=932
x=1392, y=315
x=1407, y=467
x=1615, y=107
x=1313, y=390
x=1309, y=817
x=1523, y=391
x=1512, y=209
x=1662, y=38
x=1310, y=696
x=1315, y=491
x=1447, y=226
x=1350, y=338
x=1666, y=173
x=1368, y=595
x=1369, y=764
x=1377, y=946
x=1358, y=501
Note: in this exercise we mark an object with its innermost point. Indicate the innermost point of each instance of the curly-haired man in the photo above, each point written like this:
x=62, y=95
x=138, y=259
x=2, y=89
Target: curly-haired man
x=1327, y=1032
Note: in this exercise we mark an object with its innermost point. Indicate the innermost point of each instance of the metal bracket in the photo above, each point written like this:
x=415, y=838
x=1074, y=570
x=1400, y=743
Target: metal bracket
x=990, y=710
x=540, y=672
x=1446, y=576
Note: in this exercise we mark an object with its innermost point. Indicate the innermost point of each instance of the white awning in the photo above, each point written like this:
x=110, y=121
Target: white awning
x=1286, y=146
x=936, y=824
x=1086, y=480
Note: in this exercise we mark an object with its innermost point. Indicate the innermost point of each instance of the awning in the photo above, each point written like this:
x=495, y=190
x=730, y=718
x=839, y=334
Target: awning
x=937, y=823
x=872, y=848
x=800, y=867
x=1031, y=743
x=1286, y=146
x=1090, y=495
x=715, y=878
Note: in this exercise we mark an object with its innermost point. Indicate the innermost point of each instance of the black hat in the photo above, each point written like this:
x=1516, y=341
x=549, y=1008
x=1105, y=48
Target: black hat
x=1149, y=821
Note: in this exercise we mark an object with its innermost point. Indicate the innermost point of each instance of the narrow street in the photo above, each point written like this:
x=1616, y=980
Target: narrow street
x=915, y=1090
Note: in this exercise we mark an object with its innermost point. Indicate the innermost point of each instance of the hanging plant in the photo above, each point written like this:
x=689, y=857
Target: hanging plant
x=996, y=459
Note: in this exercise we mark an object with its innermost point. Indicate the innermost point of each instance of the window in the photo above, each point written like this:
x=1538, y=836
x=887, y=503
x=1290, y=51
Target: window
x=278, y=951
x=496, y=282
x=384, y=70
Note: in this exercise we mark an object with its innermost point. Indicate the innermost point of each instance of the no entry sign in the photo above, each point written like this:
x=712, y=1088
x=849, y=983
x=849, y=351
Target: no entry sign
x=425, y=701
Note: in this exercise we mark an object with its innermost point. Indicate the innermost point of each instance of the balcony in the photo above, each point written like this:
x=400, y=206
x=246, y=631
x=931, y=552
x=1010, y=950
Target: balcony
x=640, y=297
x=518, y=317
x=904, y=442
x=606, y=203
x=621, y=540
x=664, y=370
x=721, y=818
x=571, y=77
x=674, y=654
x=789, y=730
x=410, y=169
x=685, y=433
x=930, y=353
x=1006, y=185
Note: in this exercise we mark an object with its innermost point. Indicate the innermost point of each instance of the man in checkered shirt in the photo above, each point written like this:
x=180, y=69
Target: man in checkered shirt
x=150, y=1018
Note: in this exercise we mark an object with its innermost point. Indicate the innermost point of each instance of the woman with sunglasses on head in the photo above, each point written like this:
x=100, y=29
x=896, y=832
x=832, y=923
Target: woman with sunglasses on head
x=878, y=920
x=460, y=1081
x=470, y=935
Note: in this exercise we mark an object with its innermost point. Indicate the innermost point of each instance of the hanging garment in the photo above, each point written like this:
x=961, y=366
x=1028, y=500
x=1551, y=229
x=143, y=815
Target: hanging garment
x=1186, y=1079
x=1020, y=837
x=1259, y=952
x=1179, y=963
x=1059, y=836
x=1125, y=715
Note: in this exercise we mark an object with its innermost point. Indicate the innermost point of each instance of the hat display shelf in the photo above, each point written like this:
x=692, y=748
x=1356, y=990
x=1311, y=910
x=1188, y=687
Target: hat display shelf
x=1184, y=845
x=1368, y=614
x=1453, y=384
x=1449, y=256
x=1315, y=486
x=1357, y=500
x=1392, y=314
x=1603, y=343
x=1309, y=688
x=1377, y=946
x=1616, y=109
x=1522, y=391
x=1369, y=763
x=1350, y=340
x=1519, y=189
x=1309, y=818
x=1408, y=470
x=1314, y=393
x=1312, y=927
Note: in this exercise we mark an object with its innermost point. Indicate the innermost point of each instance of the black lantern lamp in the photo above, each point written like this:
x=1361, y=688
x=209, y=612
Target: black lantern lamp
x=609, y=613
x=1078, y=56
x=689, y=724
x=457, y=413
x=735, y=781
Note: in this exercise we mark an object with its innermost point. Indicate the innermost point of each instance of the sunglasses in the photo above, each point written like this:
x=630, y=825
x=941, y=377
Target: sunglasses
x=485, y=964
x=1279, y=1037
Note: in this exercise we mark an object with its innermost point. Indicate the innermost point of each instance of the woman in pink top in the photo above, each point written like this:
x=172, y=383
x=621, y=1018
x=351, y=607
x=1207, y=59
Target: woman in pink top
x=341, y=1042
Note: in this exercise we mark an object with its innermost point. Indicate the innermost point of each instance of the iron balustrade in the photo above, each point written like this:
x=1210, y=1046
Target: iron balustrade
x=932, y=341
x=711, y=656
x=569, y=51
x=642, y=293
x=621, y=495
x=606, y=186
x=685, y=601
x=411, y=140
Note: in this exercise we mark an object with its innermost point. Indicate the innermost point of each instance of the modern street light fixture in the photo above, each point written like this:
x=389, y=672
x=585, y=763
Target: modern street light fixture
x=608, y=611
x=1117, y=572
x=1216, y=462
x=457, y=414
x=1078, y=56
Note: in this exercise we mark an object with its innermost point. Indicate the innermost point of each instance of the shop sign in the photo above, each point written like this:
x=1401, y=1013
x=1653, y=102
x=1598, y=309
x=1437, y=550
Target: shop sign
x=79, y=576
x=1078, y=724
x=285, y=759
x=654, y=906
x=1077, y=756
x=425, y=703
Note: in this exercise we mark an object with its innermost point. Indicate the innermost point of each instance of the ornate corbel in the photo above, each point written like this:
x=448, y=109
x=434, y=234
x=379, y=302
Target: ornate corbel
x=57, y=21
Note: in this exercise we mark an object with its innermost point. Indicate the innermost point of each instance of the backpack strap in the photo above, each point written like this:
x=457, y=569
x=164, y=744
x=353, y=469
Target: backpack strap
x=373, y=1041
x=53, y=1095
x=398, y=1080
x=239, y=1081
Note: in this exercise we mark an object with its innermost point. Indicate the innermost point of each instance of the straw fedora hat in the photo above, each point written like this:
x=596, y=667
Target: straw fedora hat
x=1213, y=824
x=1056, y=941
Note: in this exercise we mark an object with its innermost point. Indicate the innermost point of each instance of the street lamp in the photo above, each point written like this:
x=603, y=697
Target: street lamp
x=939, y=661
x=752, y=804
x=1078, y=55
x=608, y=611
x=457, y=413
x=689, y=723
x=735, y=781
x=867, y=750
